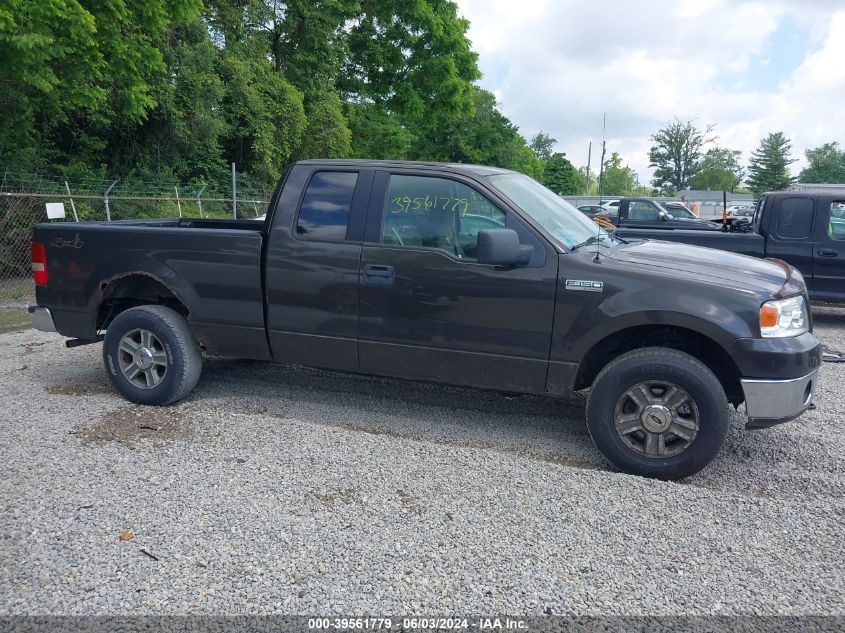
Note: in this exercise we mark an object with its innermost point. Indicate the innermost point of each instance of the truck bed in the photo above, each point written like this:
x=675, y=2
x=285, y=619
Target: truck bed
x=214, y=266
x=742, y=243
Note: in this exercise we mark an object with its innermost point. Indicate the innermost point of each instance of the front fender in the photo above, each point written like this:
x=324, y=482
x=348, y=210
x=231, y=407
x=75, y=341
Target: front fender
x=715, y=318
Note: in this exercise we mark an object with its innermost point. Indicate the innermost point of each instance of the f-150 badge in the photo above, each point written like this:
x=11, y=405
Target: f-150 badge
x=581, y=284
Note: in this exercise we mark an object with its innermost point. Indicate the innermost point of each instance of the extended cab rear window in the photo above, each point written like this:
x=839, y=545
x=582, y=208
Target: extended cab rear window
x=795, y=218
x=324, y=213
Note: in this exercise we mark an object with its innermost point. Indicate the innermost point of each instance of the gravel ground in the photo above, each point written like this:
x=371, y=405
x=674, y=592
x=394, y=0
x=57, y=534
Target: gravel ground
x=275, y=489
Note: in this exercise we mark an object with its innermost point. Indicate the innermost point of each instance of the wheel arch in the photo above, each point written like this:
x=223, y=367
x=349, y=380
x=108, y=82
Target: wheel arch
x=135, y=289
x=696, y=344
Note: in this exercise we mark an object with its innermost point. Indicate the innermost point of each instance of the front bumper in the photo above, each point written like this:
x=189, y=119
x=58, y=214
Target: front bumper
x=770, y=402
x=42, y=319
x=777, y=358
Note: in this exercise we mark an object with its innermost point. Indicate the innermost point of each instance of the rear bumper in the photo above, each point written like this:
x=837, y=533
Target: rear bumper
x=42, y=319
x=770, y=402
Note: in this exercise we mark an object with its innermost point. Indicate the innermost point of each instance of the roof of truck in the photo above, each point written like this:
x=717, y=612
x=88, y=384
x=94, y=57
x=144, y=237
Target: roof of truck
x=827, y=190
x=816, y=187
x=476, y=170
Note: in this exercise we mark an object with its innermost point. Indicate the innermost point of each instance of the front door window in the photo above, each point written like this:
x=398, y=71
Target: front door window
x=436, y=213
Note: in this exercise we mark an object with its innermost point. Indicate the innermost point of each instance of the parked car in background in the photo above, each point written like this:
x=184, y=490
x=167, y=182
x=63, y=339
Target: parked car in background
x=732, y=208
x=611, y=205
x=591, y=209
x=741, y=212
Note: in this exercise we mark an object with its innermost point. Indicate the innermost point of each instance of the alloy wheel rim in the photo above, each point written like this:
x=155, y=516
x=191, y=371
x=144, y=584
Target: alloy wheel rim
x=142, y=358
x=656, y=419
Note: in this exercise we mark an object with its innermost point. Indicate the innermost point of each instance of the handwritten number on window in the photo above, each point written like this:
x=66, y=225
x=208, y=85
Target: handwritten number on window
x=404, y=204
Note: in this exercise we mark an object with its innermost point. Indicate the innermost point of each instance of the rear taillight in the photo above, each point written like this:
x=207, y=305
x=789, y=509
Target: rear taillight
x=38, y=256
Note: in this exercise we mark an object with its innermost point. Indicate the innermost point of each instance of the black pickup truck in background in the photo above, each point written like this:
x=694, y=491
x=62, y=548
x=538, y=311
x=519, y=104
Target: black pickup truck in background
x=643, y=213
x=458, y=274
x=804, y=229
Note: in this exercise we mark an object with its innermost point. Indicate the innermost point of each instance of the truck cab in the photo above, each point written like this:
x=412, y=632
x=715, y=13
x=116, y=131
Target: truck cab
x=807, y=229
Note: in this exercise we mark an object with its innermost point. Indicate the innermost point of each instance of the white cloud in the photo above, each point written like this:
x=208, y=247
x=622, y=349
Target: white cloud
x=558, y=65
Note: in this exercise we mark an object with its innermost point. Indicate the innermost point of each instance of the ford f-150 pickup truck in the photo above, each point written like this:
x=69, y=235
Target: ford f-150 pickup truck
x=804, y=229
x=457, y=274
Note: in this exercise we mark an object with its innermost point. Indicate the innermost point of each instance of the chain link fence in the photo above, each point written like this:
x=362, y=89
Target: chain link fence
x=23, y=200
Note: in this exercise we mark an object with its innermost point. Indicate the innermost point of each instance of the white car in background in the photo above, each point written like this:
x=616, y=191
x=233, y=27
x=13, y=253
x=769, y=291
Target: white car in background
x=732, y=208
x=611, y=205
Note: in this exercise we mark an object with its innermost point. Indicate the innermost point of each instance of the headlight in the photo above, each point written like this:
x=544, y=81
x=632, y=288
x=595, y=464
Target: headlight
x=782, y=318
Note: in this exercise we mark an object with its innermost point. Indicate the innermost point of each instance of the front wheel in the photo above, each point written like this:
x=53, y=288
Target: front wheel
x=151, y=356
x=658, y=412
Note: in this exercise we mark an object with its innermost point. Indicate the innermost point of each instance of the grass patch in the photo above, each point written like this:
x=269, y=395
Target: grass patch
x=13, y=320
x=17, y=289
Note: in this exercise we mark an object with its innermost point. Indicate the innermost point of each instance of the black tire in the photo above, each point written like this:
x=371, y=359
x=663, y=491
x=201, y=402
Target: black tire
x=705, y=397
x=177, y=350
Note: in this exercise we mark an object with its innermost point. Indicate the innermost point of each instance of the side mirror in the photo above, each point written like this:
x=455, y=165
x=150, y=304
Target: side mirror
x=501, y=247
x=664, y=217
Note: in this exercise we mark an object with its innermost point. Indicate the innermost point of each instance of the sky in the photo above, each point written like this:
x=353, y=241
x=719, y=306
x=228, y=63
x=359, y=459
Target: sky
x=749, y=67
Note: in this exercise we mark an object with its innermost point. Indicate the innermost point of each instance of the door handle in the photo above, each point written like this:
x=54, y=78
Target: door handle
x=828, y=252
x=378, y=275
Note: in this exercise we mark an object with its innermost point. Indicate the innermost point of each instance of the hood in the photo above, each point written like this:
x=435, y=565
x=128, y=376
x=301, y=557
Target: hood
x=699, y=223
x=705, y=264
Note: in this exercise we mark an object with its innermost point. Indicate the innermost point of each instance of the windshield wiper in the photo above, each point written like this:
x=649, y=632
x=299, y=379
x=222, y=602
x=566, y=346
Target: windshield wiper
x=592, y=240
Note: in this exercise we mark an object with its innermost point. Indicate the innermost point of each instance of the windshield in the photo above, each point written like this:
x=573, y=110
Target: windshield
x=678, y=212
x=560, y=219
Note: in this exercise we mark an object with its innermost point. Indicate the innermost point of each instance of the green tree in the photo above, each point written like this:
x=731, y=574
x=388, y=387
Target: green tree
x=49, y=67
x=542, y=145
x=719, y=170
x=522, y=159
x=74, y=71
x=308, y=41
x=487, y=138
x=326, y=135
x=618, y=179
x=560, y=175
x=376, y=133
x=825, y=164
x=675, y=154
x=769, y=166
x=264, y=113
x=182, y=137
x=175, y=90
x=588, y=183
x=411, y=58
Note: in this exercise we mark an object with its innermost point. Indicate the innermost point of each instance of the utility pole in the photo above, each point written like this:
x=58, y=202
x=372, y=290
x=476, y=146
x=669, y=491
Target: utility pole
x=603, y=148
x=587, y=175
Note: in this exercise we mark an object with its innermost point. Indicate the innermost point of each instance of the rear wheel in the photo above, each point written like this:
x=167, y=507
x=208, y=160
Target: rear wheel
x=658, y=412
x=151, y=356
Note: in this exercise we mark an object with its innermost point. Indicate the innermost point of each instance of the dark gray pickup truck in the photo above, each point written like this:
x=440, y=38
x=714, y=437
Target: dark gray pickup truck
x=457, y=274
